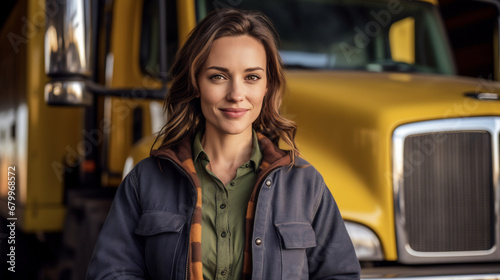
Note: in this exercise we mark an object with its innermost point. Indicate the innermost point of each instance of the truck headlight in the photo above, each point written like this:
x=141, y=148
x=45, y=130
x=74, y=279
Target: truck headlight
x=128, y=166
x=366, y=243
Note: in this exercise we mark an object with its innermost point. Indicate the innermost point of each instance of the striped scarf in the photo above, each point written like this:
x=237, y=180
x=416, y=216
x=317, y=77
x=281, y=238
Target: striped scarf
x=272, y=158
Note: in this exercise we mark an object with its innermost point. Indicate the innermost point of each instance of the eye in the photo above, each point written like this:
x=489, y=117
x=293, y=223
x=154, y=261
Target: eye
x=253, y=77
x=217, y=77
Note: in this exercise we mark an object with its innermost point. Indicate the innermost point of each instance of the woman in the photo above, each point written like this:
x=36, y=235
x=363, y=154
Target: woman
x=218, y=199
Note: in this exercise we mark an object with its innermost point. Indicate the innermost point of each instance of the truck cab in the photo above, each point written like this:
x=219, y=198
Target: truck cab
x=409, y=149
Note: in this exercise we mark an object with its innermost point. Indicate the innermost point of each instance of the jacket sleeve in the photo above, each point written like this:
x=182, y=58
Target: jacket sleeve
x=118, y=253
x=334, y=256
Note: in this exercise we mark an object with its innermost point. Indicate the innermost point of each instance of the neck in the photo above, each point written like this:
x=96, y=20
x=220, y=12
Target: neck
x=227, y=152
x=228, y=148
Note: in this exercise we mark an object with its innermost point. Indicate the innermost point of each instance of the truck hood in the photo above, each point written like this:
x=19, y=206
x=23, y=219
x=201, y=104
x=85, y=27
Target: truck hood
x=411, y=97
x=345, y=125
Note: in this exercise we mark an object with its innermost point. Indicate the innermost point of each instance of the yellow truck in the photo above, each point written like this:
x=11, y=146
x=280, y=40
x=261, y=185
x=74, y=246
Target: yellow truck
x=410, y=150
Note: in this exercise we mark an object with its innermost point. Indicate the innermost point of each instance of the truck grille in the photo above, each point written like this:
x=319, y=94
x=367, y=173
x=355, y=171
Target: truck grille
x=449, y=193
x=446, y=191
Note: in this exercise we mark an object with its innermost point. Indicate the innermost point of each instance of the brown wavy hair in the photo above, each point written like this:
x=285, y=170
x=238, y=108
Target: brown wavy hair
x=183, y=110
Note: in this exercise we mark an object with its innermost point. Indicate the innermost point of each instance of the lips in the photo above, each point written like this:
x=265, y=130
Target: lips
x=234, y=112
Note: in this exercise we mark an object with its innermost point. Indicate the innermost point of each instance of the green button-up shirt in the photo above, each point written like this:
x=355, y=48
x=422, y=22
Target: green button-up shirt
x=223, y=213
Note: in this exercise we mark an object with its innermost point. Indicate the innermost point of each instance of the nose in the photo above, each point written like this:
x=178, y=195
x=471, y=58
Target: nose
x=236, y=92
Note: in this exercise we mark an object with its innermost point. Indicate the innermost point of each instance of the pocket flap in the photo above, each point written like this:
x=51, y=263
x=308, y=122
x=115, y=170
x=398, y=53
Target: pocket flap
x=151, y=223
x=297, y=235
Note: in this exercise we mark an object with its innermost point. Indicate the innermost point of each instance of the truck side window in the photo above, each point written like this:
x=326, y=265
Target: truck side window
x=150, y=43
x=402, y=40
x=354, y=35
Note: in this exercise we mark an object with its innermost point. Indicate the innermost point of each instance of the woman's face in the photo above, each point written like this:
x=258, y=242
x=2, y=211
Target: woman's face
x=232, y=84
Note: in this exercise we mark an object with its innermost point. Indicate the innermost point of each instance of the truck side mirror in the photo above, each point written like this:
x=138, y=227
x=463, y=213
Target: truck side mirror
x=69, y=54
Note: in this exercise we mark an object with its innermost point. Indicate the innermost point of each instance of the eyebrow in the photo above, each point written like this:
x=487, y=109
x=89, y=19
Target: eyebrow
x=227, y=70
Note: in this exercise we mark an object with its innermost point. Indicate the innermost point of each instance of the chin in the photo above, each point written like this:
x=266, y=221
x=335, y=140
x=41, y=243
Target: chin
x=234, y=130
x=231, y=127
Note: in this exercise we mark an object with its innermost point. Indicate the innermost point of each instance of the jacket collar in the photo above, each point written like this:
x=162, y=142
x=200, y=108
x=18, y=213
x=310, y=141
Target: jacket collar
x=272, y=156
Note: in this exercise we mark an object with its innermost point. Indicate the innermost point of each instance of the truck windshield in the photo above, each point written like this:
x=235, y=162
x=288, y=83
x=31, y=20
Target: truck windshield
x=368, y=35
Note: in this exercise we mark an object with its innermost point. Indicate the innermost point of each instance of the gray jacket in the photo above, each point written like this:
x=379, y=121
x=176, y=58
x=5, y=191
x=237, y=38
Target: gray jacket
x=298, y=232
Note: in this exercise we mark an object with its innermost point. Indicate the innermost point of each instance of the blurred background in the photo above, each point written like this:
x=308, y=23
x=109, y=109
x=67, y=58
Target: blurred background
x=397, y=104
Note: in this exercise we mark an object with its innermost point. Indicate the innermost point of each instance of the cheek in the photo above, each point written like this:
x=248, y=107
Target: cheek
x=258, y=102
x=259, y=98
x=206, y=104
x=213, y=90
x=208, y=95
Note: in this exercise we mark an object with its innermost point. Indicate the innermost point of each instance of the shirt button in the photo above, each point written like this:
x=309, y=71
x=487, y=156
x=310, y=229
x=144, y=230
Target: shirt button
x=224, y=272
x=258, y=241
x=268, y=183
x=247, y=165
x=223, y=234
x=232, y=183
x=222, y=206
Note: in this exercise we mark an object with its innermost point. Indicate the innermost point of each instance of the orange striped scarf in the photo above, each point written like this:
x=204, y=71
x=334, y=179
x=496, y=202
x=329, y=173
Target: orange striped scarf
x=272, y=157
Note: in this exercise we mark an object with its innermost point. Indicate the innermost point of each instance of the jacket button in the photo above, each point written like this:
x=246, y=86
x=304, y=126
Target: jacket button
x=268, y=183
x=223, y=234
x=222, y=206
x=224, y=272
x=258, y=241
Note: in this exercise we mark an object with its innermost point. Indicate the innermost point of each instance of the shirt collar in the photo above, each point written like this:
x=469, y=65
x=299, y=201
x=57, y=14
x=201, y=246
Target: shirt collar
x=255, y=156
x=198, y=148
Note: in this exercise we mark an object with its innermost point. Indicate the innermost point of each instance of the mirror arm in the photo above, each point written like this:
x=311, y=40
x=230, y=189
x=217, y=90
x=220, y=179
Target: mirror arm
x=81, y=92
x=137, y=92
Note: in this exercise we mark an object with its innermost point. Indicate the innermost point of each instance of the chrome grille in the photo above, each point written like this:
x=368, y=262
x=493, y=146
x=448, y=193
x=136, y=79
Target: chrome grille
x=449, y=192
x=446, y=190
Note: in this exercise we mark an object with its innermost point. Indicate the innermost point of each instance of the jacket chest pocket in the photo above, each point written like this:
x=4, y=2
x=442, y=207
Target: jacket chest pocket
x=161, y=233
x=295, y=238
